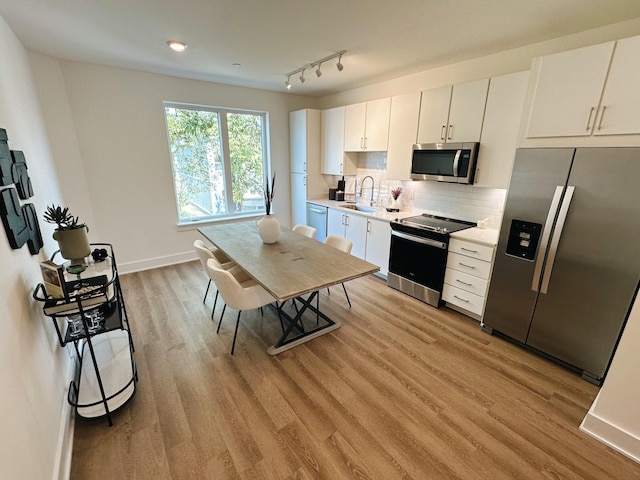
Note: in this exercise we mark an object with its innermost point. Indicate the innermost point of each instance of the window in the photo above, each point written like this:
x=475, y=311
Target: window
x=219, y=160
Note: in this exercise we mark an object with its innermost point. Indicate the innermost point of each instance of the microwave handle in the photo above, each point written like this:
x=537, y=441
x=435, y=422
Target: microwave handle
x=456, y=160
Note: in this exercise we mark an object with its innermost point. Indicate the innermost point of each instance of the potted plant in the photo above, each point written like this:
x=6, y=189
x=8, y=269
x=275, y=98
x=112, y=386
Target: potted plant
x=269, y=226
x=70, y=234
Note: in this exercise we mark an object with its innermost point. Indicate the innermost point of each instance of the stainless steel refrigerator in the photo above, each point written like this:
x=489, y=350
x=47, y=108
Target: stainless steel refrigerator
x=568, y=259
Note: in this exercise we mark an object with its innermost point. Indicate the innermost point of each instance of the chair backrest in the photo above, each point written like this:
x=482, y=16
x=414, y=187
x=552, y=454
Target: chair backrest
x=233, y=294
x=340, y=243
x=305, y=230
x=203, y=252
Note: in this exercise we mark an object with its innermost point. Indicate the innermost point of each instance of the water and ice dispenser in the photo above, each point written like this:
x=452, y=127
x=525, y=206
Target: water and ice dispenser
x=523, y=239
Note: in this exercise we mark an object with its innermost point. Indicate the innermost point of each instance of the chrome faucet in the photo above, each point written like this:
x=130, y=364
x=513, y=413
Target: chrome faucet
x=372, y=188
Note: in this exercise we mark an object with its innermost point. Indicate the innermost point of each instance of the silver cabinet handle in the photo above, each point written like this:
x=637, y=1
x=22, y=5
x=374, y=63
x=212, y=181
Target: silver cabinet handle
x=443, y=132
x=557, y=233
x=468, y=250
x=465, y=265
x=450, y=132
x=461, y=299
x=604, y=107
x=553, y=209
x=589, y=119
x=464, y=283
x=304, y=167
x=368, y=226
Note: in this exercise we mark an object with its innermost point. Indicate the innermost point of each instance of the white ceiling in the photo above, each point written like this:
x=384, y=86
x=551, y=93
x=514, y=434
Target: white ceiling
x=269, y=38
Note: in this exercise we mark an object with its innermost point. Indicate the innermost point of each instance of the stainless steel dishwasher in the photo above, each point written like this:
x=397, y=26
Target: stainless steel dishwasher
x=317, y=218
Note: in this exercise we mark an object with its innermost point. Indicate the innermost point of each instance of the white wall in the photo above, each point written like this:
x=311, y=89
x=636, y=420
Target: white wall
x=34, y=370
x=119, y=120
x=613, y=417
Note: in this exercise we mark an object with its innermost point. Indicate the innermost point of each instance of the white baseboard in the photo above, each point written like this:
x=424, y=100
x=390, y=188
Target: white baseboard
x=62, y=469
x=611, y=435
x=157, y=262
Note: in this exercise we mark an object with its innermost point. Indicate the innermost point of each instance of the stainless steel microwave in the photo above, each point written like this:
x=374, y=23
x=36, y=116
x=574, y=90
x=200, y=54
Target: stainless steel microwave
x=445, y=162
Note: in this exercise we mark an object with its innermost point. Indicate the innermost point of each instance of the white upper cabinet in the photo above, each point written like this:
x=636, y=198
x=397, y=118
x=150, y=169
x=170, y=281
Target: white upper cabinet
x=453, y=113
x=403, y=130
x=619, y=111
x=302, y=137
x=501, y=130
x=367, y=126
x=334, y=161
x=304, y=145
x=568, y=90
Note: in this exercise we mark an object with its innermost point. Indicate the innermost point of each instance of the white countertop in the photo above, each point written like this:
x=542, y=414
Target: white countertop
x=486, y=236
x=382, y=214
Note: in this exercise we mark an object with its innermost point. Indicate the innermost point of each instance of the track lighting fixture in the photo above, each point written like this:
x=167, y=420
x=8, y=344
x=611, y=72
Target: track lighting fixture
x=317, y=65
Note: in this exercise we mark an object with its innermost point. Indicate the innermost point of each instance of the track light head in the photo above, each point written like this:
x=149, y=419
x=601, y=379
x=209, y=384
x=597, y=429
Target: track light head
x=318, y=71
x=302, y=79
x=339, y=65
x=288, y=83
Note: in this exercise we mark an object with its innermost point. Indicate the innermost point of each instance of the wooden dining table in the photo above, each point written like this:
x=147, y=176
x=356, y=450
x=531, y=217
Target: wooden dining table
x=295, y=267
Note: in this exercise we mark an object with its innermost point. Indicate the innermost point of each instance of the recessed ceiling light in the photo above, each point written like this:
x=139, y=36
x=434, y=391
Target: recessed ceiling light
x=237, y=65
x=177, y=46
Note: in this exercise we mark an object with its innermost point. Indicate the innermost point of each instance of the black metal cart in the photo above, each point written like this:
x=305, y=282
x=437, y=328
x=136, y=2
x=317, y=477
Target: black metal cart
x=92, y=315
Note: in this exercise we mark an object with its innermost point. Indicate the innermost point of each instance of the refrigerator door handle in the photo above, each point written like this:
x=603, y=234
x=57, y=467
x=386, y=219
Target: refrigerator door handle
x=544, y=240
x=562, y=217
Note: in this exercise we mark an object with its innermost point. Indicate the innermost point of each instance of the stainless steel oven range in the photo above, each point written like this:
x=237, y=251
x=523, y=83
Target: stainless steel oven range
x=418, y=255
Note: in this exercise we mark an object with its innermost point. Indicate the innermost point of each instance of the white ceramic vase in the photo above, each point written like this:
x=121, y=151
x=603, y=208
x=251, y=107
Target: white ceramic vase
x=269, y=229
x=395, y=204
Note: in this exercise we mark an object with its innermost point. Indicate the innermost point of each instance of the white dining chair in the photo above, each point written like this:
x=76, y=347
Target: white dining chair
x=222, y=261
x=345, y=245
x=305, y=230
x=245, y=295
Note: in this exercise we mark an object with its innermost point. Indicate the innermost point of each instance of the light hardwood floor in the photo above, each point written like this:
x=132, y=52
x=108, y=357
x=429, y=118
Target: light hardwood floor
x=401, y=390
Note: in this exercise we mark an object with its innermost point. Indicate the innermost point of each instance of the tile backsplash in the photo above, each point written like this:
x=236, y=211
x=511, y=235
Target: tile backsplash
x=464, y=202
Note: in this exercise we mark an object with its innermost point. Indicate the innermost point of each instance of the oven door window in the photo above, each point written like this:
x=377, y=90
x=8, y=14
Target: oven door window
x=418, y=262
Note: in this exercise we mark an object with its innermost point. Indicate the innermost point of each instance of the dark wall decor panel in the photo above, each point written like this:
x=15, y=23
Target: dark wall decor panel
x=14, y=222
x=35, y=242
x=20, y=221
x=20, y=176
x=5, y=160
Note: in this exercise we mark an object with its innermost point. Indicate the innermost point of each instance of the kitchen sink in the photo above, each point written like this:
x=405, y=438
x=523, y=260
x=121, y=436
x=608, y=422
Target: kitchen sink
x=361, y=208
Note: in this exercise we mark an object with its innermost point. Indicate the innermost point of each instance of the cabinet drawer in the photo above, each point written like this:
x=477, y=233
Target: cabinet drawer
x=468, y=301
x=472, y=266
x=470, y=249
x=468, y=283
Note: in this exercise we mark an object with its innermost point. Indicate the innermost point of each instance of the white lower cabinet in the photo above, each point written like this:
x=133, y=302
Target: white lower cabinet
x=371, y=237
x=378, y=243
x=466, y=280
x=351, y=226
